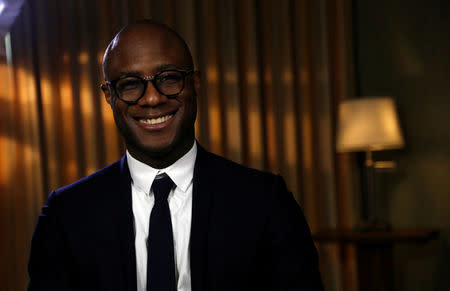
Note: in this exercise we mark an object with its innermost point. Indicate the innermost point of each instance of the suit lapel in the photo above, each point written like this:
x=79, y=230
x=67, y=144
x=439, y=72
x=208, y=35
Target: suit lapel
x=125, y=225
x=201, y=207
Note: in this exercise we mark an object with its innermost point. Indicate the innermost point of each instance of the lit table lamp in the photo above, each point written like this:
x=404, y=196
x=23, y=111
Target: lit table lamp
x=366, y=125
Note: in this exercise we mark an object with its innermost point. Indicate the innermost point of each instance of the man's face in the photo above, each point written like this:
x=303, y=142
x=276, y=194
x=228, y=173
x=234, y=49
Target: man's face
x=157, y=125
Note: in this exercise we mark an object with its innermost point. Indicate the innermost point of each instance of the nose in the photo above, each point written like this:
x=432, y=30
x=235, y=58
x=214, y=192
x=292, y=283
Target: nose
x=151, y=96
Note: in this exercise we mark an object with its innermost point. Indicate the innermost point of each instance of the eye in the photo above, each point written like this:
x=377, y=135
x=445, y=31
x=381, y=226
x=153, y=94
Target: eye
x=169, y=77
x=128, y=84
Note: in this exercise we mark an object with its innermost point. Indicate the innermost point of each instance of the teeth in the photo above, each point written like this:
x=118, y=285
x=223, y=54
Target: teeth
x=156, y=120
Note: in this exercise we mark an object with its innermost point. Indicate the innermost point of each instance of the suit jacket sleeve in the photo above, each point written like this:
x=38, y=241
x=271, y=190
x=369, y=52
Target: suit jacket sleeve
x=47, y=267
x=292, y=253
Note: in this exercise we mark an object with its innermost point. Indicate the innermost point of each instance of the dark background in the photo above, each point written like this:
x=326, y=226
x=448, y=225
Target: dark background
x=402, y=49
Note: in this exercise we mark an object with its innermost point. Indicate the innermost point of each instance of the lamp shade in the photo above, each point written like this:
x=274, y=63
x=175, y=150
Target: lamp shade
x=368, y=124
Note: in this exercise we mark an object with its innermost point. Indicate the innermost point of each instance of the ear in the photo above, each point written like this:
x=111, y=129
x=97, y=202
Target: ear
x=107, y=93
x=196, y=76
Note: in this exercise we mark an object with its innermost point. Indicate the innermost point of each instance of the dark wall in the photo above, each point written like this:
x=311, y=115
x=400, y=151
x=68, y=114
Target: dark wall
x=403, y=50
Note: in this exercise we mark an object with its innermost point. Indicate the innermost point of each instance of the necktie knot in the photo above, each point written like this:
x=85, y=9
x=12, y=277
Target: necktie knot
x=161, y=187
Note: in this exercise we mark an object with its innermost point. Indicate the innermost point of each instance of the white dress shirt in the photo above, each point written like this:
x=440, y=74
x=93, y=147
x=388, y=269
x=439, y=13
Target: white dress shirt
x=180, y=203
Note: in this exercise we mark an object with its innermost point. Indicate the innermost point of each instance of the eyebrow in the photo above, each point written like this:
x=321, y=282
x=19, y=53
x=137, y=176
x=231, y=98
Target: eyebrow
x=157, y=69
x=165, y=67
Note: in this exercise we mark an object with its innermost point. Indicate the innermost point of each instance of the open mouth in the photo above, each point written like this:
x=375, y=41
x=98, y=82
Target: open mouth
x=153, y=121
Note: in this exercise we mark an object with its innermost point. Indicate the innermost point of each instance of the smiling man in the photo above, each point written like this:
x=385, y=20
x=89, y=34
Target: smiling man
x=169, y=215
x=156, y=120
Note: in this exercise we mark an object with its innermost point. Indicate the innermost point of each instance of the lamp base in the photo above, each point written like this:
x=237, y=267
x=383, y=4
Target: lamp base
x=373, y=225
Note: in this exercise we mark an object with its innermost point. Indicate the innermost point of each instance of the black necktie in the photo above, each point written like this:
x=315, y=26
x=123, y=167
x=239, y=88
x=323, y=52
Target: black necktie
x=160, y=260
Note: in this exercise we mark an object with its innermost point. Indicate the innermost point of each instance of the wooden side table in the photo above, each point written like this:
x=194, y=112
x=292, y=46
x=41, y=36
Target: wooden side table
x=374, y=252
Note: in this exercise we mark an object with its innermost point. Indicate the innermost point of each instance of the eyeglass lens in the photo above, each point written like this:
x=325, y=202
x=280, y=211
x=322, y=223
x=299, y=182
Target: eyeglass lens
x=167, y=83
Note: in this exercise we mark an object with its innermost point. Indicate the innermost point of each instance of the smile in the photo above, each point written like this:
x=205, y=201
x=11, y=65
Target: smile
x=158, y=120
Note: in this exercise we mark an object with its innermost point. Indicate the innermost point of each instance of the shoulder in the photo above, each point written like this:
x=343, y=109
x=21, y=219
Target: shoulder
x=87, y=187
x=86, y=196
x=223, y=168
x=236, y=180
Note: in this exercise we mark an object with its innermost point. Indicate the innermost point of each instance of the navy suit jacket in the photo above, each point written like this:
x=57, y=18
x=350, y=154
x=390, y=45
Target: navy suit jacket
x=247, y=233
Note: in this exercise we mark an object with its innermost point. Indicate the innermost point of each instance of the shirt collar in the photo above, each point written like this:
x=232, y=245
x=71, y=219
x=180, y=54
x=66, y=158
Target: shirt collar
x=181, y=172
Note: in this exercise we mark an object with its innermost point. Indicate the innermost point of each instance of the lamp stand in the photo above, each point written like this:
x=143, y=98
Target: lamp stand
x=372, y=223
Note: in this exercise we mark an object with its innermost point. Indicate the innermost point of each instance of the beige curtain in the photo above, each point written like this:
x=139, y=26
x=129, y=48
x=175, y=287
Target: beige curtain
x=272, y=72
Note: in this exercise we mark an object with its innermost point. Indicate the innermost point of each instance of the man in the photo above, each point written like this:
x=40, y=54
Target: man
x=219, y=225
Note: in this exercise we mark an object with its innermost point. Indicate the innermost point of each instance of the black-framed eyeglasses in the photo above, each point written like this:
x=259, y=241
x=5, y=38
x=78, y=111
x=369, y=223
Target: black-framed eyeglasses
x=130, y=89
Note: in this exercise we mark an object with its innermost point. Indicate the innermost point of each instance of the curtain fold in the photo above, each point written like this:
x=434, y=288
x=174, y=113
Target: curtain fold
x=273, y=73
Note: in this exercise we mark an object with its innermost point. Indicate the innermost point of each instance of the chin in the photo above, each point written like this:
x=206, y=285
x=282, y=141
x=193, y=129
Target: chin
x=155, y=149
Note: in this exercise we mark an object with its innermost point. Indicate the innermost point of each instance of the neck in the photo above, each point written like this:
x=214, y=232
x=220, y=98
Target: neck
x=160, y=160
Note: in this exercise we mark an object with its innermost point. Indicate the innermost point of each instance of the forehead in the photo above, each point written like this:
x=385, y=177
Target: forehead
x=145, y=50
